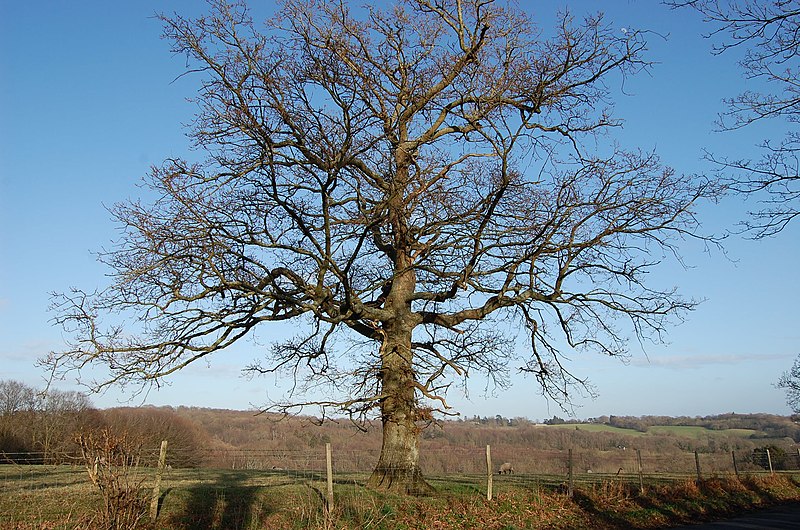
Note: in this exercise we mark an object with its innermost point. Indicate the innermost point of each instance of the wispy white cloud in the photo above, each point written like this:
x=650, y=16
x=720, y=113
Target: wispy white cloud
x=679, y=362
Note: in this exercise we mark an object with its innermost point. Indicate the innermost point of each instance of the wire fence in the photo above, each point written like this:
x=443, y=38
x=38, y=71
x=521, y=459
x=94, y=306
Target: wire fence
x=40, y=489
x=456, y=464
x=29, y=481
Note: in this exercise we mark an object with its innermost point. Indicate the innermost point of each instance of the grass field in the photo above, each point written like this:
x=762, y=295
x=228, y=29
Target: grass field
x=669, y=430
x=61, y=498
x=699, y=432
x=595, y=427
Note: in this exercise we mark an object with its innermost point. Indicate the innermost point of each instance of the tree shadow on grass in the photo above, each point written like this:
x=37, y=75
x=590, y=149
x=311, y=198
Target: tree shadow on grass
x=675, y=509
x=601, y=515
x=622, y=505
x=234, y=500
x=769, y=489
x=226, y=502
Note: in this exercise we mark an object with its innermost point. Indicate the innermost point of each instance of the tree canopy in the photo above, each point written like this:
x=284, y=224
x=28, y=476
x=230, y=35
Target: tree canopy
x=411, y=186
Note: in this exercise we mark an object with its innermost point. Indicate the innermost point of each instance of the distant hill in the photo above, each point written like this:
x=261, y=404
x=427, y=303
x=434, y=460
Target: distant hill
x=745, y=425
x=44, y=431
x=726, y=432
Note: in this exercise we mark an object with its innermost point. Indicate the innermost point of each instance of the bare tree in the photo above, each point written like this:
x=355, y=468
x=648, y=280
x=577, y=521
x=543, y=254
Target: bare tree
x=18, y=405
x=768, y=34
x=41, y=423
x=405, y=185
x=790, y=382
x=16, y=397
x=60, y=414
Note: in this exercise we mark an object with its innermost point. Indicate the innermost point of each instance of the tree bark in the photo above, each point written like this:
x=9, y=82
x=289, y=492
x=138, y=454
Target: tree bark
x=398, y=468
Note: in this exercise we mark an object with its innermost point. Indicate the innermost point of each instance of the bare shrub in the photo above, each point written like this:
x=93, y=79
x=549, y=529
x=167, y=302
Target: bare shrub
x=110, y=462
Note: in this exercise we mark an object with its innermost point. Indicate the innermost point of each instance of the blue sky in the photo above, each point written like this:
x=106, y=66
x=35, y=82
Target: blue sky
x=90, y=98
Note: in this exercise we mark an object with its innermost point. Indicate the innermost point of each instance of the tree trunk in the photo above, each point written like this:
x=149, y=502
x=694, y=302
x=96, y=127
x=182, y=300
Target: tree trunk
x=398, y=468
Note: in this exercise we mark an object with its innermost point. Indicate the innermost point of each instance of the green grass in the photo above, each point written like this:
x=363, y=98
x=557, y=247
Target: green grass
x=31, y=496
x=693, y=432
x=597, y=427
x=699, y=432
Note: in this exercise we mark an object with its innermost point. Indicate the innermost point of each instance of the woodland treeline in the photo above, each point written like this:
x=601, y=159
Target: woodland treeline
x=39, y=427
x=42, y=427
x=246, y=430
x=770, y=425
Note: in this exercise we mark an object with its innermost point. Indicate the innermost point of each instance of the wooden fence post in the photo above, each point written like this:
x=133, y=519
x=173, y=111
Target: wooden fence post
x=570, y=468
x=769, y=461
x=735, y=467
x=641, y=474
x=489, y=473
x=162, y=460
x=329, y=466
x=697, y=465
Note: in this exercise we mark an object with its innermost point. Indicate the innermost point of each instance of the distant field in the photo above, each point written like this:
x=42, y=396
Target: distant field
x=664, y=430
x=596, y=427
x=698, y=432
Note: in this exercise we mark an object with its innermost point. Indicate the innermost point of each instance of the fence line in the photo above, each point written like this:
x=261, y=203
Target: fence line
x=465, y=462
x=475, y=470
x=339, y=472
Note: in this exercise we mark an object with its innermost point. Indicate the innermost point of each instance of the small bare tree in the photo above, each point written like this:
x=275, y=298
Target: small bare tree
x=414, y=184
x=109, y=459
x=790, y=382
